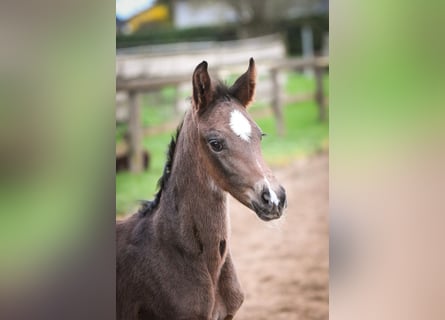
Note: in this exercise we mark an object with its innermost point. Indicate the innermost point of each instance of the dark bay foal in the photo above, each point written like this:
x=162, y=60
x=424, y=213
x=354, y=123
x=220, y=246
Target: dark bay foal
x=173, y=256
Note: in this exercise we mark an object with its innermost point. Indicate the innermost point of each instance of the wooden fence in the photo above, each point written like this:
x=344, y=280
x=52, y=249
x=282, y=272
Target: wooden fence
x=274, y=70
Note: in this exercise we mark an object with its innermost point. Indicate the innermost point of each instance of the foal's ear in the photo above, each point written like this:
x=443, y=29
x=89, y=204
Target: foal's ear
x=202, y=87
x=244, y=87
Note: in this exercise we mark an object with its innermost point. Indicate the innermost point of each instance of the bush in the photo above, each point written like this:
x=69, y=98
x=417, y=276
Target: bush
x=170, y=35
x=319, y=24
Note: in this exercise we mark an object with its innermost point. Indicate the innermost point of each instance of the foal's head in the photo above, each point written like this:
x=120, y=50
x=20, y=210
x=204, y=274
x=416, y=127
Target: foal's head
x=230, y=142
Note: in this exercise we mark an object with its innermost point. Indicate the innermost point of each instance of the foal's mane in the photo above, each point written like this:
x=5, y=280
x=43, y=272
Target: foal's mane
x=221, y=92
x=148, y=206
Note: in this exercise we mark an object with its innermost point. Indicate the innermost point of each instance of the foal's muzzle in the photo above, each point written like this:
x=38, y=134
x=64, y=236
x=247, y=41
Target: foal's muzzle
x=269, y=204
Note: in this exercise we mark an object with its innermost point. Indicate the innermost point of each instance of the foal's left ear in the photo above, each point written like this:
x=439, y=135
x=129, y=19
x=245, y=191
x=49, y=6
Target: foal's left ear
x=202, y=87
x=244, y=87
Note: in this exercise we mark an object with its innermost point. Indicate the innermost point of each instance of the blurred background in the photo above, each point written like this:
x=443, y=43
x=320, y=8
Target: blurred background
x=158, y=45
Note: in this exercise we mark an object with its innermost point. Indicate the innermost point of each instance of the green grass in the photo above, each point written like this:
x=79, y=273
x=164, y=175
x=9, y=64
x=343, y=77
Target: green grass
x=305, y=134
x=132, y=187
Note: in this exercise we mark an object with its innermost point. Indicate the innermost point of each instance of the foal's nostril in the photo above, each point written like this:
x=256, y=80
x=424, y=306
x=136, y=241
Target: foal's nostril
x=265, y=196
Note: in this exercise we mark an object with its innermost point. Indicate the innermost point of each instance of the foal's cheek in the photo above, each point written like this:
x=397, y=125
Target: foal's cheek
x=217, y=167
x=224, y=167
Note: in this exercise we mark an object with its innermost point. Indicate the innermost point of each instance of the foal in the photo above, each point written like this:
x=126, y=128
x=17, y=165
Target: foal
x=173, y=256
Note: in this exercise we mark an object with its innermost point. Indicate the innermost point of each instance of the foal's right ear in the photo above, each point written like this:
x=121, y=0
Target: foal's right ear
x=202, y=87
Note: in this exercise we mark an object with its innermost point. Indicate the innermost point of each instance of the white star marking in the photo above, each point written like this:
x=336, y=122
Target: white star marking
x=240, y=125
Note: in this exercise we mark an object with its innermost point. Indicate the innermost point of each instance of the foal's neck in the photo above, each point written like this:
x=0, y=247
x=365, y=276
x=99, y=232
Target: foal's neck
x=199, y=205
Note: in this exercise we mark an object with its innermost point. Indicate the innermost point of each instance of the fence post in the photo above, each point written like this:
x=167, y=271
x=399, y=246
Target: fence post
x=277, y=103
x=307, y=43
x=135, y=131
x=319, y=93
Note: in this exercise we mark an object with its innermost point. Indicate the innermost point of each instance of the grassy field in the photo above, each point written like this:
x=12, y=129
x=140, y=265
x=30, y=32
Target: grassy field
x=305, y=134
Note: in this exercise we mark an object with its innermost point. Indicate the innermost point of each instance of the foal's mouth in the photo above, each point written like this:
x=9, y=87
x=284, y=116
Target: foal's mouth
x=267, y=214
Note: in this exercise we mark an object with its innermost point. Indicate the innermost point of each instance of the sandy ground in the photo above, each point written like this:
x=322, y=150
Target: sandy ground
x=283, y=265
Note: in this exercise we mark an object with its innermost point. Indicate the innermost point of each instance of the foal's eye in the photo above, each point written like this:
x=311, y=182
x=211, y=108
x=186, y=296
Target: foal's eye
x=215, y=145
x=263, y=135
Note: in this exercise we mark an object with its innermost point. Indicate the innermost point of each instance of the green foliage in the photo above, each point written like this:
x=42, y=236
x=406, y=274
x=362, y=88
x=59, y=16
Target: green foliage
x=132, y=187
x=121, y=128
x=305, y=134
x=158, y=107
x=171, y=35
x=319, y=25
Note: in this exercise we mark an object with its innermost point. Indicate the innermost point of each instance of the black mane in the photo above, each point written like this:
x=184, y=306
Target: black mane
x=148, y=206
